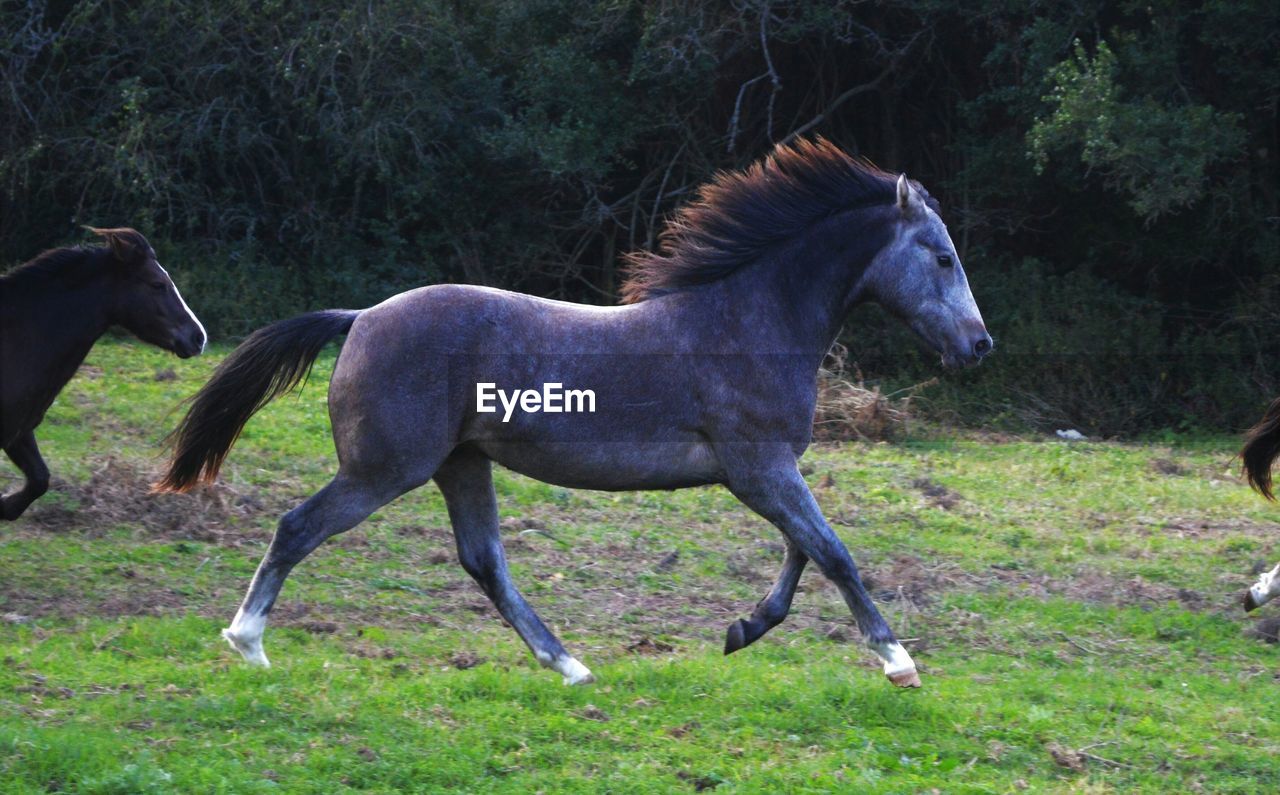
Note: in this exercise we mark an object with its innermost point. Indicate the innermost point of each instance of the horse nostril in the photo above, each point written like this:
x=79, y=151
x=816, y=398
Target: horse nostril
x=982, y=347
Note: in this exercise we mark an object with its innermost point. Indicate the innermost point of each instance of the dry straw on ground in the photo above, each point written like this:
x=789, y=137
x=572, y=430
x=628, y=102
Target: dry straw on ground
x=848, y=410
x=117, y=493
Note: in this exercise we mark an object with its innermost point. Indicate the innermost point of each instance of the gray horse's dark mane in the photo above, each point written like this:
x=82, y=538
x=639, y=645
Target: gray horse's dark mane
x=67, y=265
x=741, y=213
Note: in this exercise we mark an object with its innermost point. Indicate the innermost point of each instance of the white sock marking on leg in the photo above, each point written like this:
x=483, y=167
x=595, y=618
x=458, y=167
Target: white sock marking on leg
x=574, y=672
x=1267, y=587
x=245, y=636
x=896, y=659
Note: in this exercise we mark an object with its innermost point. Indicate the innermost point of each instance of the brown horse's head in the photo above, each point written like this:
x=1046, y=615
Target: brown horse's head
x=144, y=299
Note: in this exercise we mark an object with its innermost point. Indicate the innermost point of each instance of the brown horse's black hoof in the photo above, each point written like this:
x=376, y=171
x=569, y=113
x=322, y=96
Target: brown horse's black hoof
x=10, y=510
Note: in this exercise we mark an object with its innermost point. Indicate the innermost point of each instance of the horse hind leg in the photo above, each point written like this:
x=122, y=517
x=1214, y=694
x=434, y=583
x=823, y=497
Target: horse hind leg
x=466, y=481
x=1264, y=590
x=339, y=506
x=772, y=609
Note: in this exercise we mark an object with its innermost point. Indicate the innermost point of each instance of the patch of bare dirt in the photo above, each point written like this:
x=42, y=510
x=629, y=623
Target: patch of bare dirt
x=464, y=660
x=938, y=495
x=1166, y=466
x=151, y=602
x=668, y=561
x=593, y=713
x=699, y=783
x=119, y=492
x=320, y=627
x=1066, y=757
x=1267, y=630
x=139, y=598
x=648, y=645
x=1099, y=588
x=372, y=652
x=755, y=565
x=910, y=578
x=1179, y=527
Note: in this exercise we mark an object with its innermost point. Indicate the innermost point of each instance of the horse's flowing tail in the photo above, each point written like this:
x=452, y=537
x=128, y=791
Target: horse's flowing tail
x=271, y=361
x=1261, y=448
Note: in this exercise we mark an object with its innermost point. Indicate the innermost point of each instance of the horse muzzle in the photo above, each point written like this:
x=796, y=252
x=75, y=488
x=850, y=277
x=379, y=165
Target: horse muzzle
x=971, y=353
x=184, y=346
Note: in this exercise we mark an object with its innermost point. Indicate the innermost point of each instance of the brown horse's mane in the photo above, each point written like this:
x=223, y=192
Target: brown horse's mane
x=75, y=264
x=66, y=265
x=741, y=213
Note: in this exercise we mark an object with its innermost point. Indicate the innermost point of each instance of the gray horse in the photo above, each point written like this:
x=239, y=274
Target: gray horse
x=705, y=375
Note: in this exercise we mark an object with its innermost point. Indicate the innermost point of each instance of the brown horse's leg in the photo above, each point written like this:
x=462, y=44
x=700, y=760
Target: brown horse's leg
x=26, y=455
x=773, y=608
x=466, y=481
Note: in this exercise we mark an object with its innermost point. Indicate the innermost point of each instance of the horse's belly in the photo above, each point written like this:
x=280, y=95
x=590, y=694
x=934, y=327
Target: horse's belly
x=611, y=466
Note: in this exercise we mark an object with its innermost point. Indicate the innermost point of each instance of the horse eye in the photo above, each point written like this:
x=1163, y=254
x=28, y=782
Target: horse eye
x=157, y=286
x=944, y=260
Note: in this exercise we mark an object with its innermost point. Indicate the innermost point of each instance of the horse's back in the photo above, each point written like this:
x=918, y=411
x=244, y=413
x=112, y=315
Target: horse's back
x=459, y=318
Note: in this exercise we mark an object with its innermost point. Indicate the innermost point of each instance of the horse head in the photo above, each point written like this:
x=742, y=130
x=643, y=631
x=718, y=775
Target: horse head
x=144, y=299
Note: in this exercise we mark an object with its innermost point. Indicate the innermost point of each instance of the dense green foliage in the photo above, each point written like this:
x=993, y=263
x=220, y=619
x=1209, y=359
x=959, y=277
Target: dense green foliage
x=1074, y=609
x=1109, y=169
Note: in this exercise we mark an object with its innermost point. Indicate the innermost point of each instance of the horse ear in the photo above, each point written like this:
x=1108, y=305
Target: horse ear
x=128, y=245
x=909, y=201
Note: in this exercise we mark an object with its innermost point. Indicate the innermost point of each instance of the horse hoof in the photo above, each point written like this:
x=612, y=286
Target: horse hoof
x=9, y=511
x=250, y=650
x=574, y=672
x=590, y=678
x=1250, y=603
x=736, y=637
x=907, y=678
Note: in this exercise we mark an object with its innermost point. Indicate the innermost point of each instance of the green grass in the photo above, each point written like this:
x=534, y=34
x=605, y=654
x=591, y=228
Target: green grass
x=1073, y=608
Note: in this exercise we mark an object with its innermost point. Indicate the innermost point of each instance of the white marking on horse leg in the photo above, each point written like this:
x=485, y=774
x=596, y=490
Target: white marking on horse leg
x=1265, y=589
x=898, y=665
x=574, y=672
x=245, y=636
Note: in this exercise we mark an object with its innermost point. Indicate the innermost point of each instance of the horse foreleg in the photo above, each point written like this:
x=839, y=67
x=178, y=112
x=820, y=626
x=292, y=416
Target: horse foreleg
x=26, y=455
x=774, y=489
x=339, y=506
x=772, y=609
x=1264, y=590
x=466, y=481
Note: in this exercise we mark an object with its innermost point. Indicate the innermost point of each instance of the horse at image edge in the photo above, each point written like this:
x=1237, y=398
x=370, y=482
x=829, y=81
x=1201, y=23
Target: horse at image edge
x=52, y=309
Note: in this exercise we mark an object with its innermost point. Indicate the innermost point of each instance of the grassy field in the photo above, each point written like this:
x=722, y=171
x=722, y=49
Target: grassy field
x=1073, y=608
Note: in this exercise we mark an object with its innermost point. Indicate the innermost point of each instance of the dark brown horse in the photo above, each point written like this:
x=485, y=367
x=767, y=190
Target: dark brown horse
x=706, y=376
x=52, y=309
x=1261, y=449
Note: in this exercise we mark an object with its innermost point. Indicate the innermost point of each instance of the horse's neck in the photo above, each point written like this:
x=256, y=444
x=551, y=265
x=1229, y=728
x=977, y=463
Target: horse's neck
x=54, y=331
x=793, y=301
